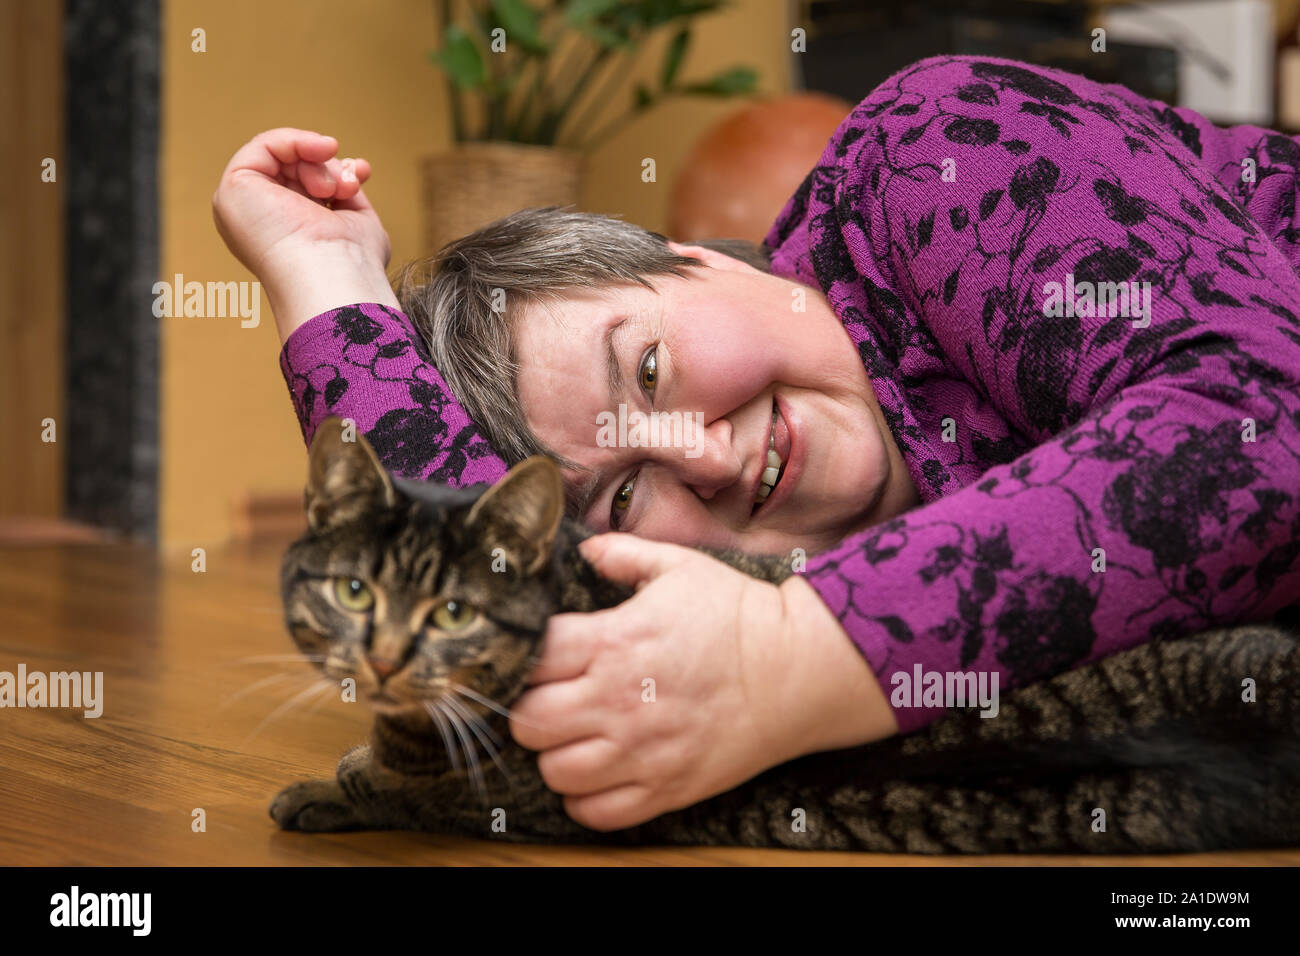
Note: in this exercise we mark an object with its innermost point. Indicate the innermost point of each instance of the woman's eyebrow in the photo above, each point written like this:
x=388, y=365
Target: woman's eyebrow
x=578, y=498
x=613, y=370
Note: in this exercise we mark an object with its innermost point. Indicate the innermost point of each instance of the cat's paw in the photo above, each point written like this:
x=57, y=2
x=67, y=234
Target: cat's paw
x=314, y=806
x=355, y=762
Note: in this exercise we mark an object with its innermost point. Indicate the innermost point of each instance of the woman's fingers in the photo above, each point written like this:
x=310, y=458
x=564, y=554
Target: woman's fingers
x=630, y=560
x=337, y=179
x=304, y=162
x=349, y=174
x=268, y=152
x=555, y=714
x=569, y=644
x=613, y=809
x=587, y=766
x=317, y=179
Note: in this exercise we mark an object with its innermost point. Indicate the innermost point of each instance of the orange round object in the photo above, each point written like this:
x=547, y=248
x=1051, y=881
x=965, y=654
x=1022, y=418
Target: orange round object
x=743, y=171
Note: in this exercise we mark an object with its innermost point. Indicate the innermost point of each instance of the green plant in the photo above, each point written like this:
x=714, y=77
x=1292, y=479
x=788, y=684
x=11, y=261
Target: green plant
x=522, y=99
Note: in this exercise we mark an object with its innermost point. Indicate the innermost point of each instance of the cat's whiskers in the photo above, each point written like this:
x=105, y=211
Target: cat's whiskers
x=475, y=723
x=315, y=704
x=258, y=685
x=460, y=708
x=491, y=704
x=318, y=687
x=436, y=713
x=278, y=658
x=471, y=752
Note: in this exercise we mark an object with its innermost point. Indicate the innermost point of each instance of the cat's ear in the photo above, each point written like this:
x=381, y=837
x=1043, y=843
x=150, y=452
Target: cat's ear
x=344, y=477
x=522, y=513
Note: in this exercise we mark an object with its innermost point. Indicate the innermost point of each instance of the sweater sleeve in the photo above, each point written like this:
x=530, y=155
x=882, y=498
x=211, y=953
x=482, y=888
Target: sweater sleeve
x=1090, y=479
x=366, y=362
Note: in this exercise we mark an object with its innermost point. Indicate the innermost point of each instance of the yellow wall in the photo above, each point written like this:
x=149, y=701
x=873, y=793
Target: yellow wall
x=31, y=257
x=357, y=71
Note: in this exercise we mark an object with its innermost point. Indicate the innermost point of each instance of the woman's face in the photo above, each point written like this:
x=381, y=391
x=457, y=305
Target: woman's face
x=700, y=366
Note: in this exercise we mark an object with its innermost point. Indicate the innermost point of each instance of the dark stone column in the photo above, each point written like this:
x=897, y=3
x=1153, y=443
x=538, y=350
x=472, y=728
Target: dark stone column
x=111, y=176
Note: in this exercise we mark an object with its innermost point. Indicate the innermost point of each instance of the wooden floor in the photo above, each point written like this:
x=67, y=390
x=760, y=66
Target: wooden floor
x=184, y=727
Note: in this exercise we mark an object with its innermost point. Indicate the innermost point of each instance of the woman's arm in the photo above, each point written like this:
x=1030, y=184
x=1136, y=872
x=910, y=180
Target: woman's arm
x=320, y=278
x=1122, y=477
x=347, y=348
x=297, y=217
x=365, y=362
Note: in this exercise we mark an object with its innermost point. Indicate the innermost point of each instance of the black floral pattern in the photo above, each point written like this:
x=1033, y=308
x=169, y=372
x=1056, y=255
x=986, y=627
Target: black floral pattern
x=1110, y=463
x=366, y=362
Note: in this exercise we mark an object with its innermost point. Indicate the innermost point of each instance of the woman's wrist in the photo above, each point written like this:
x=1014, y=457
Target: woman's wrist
x=832, y=697
x=306, y=281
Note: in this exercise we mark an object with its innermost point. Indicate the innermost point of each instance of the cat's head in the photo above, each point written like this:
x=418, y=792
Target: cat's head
x=414, y=589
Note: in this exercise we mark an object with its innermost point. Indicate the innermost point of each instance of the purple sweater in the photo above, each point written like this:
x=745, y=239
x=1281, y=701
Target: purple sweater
x=1088, y=481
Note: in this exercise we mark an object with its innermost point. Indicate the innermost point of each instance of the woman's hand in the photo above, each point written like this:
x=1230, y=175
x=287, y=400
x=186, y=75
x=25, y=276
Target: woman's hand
x=270, y=208
x=703, y=679
x=273, y=193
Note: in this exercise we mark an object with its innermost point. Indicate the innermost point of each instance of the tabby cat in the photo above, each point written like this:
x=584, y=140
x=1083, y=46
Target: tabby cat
x=434, y=599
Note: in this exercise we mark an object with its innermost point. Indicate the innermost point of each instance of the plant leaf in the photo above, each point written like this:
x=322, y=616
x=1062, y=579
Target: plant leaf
x=738, y=79
x=655, y=13
x=521, y=24
x=576, y=11
x=461, y=59
x=610, y=39
x=673, y=57
x=643, y=97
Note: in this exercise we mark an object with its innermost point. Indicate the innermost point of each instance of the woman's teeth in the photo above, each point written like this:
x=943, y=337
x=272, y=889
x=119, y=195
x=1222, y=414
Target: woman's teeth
x=772, y=473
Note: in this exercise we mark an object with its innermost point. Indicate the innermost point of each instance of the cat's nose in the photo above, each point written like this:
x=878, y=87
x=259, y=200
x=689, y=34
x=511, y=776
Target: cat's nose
x=383, y=669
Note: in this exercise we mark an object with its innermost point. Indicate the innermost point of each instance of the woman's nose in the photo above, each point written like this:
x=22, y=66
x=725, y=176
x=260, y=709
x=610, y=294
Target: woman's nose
x=709, y=463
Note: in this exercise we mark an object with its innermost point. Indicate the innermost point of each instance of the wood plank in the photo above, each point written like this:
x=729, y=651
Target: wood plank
x=180, y=730
x=31, y=254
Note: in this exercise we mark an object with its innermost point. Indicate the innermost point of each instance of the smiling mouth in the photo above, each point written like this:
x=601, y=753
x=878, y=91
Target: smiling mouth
x=772, y=471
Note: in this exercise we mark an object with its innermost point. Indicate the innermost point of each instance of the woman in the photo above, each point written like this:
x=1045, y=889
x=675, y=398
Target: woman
x=1064, y=420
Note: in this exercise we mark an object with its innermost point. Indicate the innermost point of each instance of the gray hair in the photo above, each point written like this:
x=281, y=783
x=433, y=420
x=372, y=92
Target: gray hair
x=532, y=256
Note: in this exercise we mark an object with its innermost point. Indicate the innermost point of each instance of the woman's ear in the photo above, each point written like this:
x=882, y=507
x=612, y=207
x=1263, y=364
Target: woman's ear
x=711, y=258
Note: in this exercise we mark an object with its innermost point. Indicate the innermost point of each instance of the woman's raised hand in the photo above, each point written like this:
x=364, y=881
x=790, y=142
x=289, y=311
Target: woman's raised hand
x=297, y=217
x=274, y=191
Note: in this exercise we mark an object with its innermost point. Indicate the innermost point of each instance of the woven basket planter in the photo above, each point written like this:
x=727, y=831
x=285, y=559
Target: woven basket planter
x=476, y=183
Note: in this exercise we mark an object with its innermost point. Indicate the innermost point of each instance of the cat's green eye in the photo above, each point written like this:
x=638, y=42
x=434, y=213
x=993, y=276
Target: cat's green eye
x=352, y=594
x=453, y=615
x=648, y=373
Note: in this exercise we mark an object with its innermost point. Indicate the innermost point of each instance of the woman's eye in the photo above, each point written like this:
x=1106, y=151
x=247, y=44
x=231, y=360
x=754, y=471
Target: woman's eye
x=352, y=594
x=648, y=373
x=622, y=501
